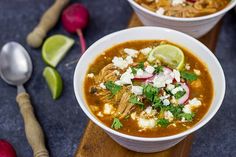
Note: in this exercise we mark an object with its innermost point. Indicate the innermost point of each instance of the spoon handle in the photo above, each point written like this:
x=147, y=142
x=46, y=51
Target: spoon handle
x=33, y=130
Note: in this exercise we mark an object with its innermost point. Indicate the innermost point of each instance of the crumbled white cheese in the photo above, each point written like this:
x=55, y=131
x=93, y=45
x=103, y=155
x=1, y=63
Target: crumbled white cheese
x=107, y=109
x=187, y=109
x=176, y=90
x=117, y=72
x=177, y=75
x=99, y=114
x=148, y=110
x=146, y=123
x=160, y=11
x=197, y=72
x=195, y=103
x=177, y=2
x=170, y=87
x=159, y=82
x=126, y=78
x=149, y=69
x=131, y=52
x=137, y=90
x=91, y=75
x=139, y=72
x=168, y=115
x=165, y=97
x=129, y=60
x=146, y=51
x=102, y=86
x=166, y=102
x=187, y=66
x=120, y=62
x=169, y=81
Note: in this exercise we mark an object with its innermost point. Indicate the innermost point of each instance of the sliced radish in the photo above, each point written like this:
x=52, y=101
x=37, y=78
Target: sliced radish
x=144, y=77
x=185, y=97
x=166, y=73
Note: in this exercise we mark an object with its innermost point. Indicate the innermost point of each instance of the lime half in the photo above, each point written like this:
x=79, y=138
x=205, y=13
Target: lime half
x=55, y=48
x=54, y=81
x=168, y=54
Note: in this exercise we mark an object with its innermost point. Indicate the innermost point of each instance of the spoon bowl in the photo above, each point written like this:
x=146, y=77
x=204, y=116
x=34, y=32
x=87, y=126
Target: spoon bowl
x=15, y=64
x=15, y=69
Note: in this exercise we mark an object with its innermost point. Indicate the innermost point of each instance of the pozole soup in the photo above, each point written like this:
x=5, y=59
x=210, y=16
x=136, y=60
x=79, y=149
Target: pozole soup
x=148, y=88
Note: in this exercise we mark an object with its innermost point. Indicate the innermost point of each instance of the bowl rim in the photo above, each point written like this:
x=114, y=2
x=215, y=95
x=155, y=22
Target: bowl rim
x=148, y=139
x=221, y=12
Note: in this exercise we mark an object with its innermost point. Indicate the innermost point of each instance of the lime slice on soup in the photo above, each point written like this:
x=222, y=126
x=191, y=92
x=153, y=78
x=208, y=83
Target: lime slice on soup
x=54, y=81
x=168, y=54
x=55, y=48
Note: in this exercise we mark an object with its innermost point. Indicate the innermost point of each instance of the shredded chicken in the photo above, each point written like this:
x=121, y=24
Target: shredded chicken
x=106, y=74
x=124, y=106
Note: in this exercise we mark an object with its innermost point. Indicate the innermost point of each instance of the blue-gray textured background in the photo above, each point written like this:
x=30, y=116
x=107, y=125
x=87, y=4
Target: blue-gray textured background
x=62, y=120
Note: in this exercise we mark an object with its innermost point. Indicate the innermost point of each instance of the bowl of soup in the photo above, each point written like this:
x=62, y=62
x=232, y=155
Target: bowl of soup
x=194, y=17
x=149, y=87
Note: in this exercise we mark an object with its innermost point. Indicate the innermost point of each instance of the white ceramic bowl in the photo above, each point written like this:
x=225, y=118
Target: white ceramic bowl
x=141, y=144
x=196, y=27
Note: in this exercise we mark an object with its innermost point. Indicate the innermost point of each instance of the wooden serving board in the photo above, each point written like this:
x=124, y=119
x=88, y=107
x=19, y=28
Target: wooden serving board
x=96, y=143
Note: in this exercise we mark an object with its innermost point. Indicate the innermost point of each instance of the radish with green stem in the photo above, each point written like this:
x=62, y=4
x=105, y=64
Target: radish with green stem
x=74, y=19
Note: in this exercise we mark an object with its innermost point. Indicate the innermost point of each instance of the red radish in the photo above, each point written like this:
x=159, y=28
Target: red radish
x=6, y=149
x=185, y=97
x=144, y=77
x=166, y=71
x=74, y=19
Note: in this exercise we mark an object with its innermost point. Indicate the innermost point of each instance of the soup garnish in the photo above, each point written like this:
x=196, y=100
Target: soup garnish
x=148, y=88
x=183, y=8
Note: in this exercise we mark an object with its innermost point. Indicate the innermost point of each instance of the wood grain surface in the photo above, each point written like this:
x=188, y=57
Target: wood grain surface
x=96, y=143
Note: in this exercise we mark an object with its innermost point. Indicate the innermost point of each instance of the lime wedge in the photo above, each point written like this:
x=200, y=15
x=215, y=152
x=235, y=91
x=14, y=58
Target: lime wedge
x=54, y=81
x=55, y=48
x=168, y=54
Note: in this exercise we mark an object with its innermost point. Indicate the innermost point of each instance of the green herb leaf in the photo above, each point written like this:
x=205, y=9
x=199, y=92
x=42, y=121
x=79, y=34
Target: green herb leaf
x=114, y=88
x=134, y=71
x=134, y=100
x=175, y=110
x=116, y=124
x=188, y=76
x=157, y=103
x=140, y=65
x=149, y=91
x=158, y=69
x=163, y=122
x=187, y=116
x=179, y=94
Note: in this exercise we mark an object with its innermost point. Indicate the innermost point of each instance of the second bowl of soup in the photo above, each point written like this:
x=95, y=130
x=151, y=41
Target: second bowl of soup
x=194, y=17
x=149, y=87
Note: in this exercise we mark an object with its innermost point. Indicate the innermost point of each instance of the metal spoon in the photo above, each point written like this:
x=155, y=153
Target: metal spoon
x=16, y=69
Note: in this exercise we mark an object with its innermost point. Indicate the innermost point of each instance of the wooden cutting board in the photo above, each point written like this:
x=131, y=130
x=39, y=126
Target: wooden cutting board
x=96, y=143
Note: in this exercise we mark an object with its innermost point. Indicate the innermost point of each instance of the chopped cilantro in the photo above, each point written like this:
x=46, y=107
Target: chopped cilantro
x=163, y=122
x=157, y=102
x=179, y=94
x=114, y=88
x=188, y=76
x=140, y=65
x=175, y=110
x=134, y=71
x=134, y=100
x=116, y=124
x=187, y=116
x=149, y=91
x=158, y=69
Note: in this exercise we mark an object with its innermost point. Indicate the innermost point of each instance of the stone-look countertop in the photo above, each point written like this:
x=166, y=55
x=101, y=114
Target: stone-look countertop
x=63, y=121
